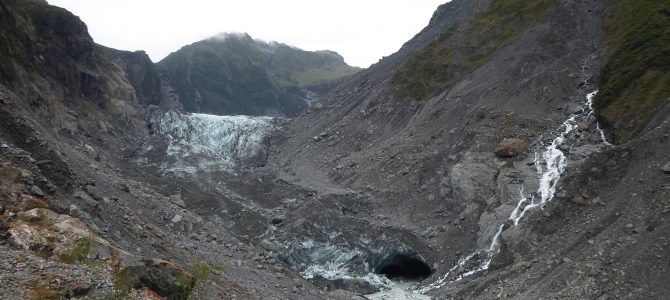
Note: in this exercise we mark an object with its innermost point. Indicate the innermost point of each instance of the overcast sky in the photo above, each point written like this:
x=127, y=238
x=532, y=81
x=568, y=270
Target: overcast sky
x=360, y=30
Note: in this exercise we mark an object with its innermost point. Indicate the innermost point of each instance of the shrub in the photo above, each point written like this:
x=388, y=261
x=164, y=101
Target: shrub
x=435, y=67
x=77, y=252
x=124, y=280
x=635, y=80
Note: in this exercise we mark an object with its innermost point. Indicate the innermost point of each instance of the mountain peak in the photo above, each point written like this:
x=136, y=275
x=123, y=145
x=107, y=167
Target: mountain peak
x=227, y=35
x=233, y=73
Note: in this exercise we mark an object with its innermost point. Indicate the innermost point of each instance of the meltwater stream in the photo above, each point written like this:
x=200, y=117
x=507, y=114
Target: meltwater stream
x=550, y=164
x=555, y=162
x=205, y=143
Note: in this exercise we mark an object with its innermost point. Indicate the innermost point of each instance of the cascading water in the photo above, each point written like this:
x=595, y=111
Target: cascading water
x=555, y=163
x=200, y=142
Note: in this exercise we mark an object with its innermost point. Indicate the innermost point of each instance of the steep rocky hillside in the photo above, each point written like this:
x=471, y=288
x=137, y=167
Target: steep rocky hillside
x=511, y=149
x=455, y=135
x=51, y=62
x=235, y=74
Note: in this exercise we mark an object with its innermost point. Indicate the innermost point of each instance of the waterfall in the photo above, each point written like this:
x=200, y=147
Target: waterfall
x=555, y=163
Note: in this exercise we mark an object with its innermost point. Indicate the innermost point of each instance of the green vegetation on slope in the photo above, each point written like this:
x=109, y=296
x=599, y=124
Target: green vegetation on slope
x=465, y=47
x=13, y=50
x=292, y=66
x=235, y=74
x=635, y=80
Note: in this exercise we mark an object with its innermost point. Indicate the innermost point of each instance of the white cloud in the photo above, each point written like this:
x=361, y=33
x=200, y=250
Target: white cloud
x=361, y=31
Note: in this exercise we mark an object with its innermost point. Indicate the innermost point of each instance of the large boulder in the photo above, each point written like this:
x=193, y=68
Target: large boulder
x=176, y=199
x=31, y=238
x=510, y=147
x=666, y=168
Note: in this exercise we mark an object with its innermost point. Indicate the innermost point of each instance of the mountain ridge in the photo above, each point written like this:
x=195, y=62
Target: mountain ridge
x=278, y=79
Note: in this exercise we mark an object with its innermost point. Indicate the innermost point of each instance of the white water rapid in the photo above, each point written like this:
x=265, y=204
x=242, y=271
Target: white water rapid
x=550, y=164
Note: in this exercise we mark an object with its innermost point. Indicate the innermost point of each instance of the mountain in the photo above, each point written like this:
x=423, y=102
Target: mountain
x=482, y=136
x=511, y=149
x=235, y=74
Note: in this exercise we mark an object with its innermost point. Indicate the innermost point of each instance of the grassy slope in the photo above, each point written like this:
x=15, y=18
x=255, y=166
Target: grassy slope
x=635, y=80
x=444, y=62
x=292, y=66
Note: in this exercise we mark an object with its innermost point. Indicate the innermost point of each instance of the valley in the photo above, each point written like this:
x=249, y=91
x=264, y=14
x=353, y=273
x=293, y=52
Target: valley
x=496, y=155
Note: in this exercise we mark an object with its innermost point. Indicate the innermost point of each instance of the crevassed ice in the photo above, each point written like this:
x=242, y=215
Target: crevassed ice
x=337, y=268
x=211, y=142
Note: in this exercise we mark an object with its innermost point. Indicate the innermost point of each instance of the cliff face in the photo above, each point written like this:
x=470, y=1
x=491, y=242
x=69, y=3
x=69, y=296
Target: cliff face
x=141, y=73
x=67, y=83
x=234, y=74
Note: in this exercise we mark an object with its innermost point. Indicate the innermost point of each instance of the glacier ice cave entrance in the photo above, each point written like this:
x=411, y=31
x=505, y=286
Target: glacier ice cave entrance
x=403, y=266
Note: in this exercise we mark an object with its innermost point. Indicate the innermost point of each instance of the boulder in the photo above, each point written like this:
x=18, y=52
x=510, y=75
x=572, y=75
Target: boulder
x=30, y=238
x=176, y=219
x=666, y=168
x=177, y=200
x=510, y=147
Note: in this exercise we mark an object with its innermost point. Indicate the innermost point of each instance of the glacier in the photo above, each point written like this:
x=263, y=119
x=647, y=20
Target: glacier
x=209, y=143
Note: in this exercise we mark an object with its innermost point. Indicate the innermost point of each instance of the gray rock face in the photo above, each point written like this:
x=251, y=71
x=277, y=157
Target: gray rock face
x=473, y=181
